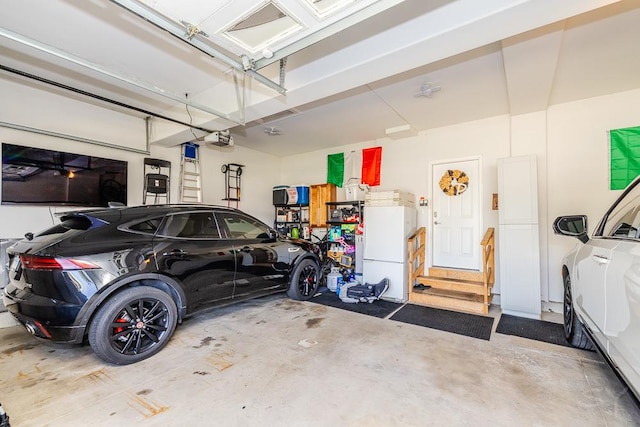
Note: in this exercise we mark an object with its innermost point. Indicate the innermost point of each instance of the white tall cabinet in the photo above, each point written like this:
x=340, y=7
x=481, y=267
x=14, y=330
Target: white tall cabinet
x=518, y=236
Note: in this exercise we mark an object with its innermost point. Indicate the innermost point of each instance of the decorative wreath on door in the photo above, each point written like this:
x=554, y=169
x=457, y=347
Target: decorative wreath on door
x=454, y=182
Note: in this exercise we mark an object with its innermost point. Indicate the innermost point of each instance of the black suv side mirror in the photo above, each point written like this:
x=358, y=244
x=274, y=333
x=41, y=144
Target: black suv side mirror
x=573, y=226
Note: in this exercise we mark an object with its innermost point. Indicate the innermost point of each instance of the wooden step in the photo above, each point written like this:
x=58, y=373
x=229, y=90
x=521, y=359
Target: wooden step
x=450, y=300
x=453, y=273
x=468, y=286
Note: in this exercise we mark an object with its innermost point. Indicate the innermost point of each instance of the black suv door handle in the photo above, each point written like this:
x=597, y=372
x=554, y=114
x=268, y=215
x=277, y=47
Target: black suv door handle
x=175, y=252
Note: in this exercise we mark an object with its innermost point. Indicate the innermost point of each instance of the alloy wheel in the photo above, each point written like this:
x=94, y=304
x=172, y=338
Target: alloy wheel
x=568, y=309
x=308, y=280
x=139, y=326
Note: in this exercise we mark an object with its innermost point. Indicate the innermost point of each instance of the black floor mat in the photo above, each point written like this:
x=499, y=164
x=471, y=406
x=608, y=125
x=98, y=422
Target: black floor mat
x=380, y=308
x=444, y=320
x=532, y=329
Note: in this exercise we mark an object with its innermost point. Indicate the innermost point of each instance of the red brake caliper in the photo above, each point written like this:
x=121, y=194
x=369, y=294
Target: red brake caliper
x=120, y=320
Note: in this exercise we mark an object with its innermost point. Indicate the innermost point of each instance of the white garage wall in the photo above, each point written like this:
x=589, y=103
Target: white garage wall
x=32, y=107
x=578, y=165
x=570, y=142
x=259, y=175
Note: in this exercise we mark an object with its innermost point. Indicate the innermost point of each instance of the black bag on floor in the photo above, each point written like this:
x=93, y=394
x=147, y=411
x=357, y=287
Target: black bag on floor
x=4, y=418
x=364, y=293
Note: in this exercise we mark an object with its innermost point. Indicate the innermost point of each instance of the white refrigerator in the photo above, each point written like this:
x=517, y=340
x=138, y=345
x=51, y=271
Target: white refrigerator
x=385, y=255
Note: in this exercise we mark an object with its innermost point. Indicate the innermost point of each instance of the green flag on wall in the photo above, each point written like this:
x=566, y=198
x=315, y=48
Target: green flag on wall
x=335, y=169
x=624, y=156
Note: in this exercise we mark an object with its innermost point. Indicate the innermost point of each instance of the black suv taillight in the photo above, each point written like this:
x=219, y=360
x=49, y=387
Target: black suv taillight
x=34, y=262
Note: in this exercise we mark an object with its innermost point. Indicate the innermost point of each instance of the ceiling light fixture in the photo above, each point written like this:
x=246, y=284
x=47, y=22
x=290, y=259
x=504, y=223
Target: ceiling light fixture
x=427, y=90
x=272, y=131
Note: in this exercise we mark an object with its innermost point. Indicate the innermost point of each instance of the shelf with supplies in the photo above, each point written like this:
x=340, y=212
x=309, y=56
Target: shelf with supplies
x=349, y=212
x=344, y=225
x=292, y=220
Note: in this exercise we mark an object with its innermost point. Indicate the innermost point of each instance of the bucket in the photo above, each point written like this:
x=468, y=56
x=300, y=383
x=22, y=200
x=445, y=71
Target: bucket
x=332, y=279
x=355, y=191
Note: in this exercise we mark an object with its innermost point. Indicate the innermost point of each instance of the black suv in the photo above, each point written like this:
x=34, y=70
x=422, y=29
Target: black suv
x=124, y=277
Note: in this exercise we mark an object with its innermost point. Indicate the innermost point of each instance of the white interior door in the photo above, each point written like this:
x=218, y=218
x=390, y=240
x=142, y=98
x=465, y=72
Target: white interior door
x=456, y=217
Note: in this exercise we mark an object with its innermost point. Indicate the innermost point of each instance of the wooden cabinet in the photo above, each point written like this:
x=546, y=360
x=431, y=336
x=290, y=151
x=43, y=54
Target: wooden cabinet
x=319, y=195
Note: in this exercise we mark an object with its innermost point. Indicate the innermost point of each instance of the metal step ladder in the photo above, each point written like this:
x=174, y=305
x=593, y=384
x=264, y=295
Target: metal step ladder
x=190, y=181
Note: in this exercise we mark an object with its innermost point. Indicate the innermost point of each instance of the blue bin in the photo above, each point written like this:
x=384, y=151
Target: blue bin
x=303, y=194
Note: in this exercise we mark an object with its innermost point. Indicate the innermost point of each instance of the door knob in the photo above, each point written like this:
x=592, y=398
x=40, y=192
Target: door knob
x=436, y=222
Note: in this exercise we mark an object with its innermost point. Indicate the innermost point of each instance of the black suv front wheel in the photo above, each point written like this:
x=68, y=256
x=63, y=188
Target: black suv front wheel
x=304, y=280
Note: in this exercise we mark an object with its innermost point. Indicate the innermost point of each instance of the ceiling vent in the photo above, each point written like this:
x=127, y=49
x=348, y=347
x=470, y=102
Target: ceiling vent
x=403, y=131
x=262, y=27
x=323, y=8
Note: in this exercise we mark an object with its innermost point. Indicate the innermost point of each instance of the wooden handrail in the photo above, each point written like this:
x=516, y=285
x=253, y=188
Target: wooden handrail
x=488, y=235
x=417, y=244
x=488, y=262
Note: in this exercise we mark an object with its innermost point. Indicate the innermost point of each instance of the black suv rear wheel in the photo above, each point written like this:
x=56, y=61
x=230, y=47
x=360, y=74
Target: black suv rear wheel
x=133, y=325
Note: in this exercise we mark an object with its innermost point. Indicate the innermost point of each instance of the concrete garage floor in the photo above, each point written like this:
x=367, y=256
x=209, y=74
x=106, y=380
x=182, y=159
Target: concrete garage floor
x=278, y=362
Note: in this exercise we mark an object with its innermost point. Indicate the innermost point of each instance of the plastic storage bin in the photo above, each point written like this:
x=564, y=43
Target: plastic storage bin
x=303, y=194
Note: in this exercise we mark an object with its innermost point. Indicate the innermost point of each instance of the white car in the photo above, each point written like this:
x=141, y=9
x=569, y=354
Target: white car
x=602, y=285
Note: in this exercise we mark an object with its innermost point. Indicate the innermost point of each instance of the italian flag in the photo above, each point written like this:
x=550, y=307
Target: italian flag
x=355, y=167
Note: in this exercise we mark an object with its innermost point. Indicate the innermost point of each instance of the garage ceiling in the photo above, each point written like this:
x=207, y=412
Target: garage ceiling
x=351, y=68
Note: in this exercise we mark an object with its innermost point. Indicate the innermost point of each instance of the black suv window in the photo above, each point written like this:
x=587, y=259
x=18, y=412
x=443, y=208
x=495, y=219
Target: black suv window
x=239, y=226
x=195, y=225
x=624, y=220
x=148, y=226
